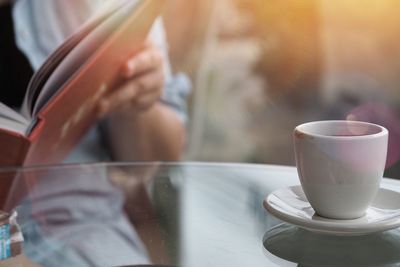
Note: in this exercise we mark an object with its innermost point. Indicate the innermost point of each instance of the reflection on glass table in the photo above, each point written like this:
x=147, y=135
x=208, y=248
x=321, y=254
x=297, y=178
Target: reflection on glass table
x=312, y=249
x=183, y=214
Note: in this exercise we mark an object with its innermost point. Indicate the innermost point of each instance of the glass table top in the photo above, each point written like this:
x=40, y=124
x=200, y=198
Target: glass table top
x=183, y=214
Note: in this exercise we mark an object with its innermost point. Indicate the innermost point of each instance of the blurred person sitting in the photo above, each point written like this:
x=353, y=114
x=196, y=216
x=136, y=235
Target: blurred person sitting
x=142, y=120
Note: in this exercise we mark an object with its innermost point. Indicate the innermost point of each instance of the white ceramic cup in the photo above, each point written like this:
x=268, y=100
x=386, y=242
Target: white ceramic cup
x=340, y=165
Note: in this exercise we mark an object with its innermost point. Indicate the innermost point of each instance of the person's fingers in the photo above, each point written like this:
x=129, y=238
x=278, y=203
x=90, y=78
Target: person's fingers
x=144, y=102
x=154, y=84
x=148, y=59
x=121, y=96
x=149, y=86
x=151, y=81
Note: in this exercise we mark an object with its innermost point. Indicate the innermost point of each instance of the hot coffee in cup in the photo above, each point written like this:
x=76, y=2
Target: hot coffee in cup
x=340, y=165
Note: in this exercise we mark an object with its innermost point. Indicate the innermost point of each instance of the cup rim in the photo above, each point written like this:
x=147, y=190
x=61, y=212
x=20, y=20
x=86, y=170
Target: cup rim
x=300, y=129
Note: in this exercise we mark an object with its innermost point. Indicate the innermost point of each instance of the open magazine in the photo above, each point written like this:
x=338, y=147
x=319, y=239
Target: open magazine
x=61, y=99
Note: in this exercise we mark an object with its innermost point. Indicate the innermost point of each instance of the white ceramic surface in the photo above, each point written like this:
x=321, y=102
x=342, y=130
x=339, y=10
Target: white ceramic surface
x=340, y=165
x=290, y=205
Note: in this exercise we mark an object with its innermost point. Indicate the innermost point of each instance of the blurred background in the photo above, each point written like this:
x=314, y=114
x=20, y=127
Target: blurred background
x=261, y=67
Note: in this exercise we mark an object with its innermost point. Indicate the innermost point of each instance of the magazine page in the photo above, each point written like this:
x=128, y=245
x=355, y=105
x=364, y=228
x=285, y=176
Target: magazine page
x=11, y=120
x=11, y=114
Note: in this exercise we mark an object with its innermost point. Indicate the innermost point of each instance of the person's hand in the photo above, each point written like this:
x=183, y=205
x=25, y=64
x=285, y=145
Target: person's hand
x=143, y=86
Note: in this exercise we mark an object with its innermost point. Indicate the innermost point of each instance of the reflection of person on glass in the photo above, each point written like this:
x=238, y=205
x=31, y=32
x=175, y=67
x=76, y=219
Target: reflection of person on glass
x=143, y=121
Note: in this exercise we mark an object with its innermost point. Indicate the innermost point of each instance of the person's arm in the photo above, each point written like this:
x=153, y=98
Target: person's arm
x=155, y=134
x=139, y=126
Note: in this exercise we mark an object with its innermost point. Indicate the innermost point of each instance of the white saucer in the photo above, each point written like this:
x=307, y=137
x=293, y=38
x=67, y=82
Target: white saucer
x=291, y=205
